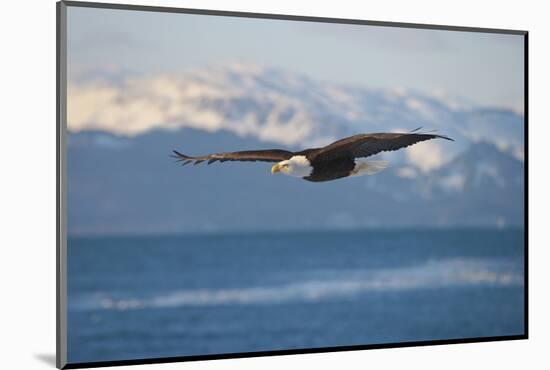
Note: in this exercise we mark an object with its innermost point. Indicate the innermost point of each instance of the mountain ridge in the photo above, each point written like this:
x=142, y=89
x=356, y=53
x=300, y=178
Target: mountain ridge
x=280, y=107
x=130, y=185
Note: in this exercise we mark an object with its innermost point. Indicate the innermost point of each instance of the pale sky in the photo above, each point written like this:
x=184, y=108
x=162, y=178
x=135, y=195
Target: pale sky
x=486, y=69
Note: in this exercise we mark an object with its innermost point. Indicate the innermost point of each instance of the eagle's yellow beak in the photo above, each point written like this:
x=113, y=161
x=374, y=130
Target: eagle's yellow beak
x=276, y=169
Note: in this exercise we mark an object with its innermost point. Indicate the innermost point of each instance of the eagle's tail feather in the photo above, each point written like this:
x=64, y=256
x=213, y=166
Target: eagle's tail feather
x=372, y=167
x=368, y=167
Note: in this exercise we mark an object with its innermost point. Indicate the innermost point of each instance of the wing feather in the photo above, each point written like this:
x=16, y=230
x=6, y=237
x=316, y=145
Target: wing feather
x=365, y=145
x=270, y=155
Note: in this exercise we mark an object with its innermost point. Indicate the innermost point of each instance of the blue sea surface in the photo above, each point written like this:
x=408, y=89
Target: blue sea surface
x=177, y=295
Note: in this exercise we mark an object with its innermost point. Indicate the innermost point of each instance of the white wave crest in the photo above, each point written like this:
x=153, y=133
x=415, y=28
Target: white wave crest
x=433, y=274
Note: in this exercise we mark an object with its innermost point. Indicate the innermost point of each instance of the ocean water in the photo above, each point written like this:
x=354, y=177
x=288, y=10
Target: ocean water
x=162, y=296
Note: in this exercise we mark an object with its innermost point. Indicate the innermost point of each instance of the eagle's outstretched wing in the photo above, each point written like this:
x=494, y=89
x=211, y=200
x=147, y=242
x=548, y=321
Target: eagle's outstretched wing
x=270, y=155
x=365, y=145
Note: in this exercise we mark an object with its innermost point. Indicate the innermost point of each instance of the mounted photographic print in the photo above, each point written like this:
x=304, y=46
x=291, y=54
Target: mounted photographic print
x=238, y=184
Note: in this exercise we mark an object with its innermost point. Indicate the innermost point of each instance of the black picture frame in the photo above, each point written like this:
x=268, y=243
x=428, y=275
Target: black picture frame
x=61, y=185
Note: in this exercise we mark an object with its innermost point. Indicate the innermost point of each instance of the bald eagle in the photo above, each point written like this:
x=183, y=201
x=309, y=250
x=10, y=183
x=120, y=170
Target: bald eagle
x=343, y=158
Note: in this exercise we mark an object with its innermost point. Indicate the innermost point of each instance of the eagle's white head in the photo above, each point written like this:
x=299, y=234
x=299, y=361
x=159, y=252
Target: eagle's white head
x=297, y=166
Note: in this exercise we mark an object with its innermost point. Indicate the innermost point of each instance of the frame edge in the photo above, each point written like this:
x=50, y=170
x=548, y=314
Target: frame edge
x=61, y=185
x=287, y=17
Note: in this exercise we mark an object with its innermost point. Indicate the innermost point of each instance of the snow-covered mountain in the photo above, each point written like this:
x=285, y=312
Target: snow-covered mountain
x=280, y=107
x=123, y=129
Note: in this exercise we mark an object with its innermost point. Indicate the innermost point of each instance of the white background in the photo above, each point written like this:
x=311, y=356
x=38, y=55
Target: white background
x=27, y=182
